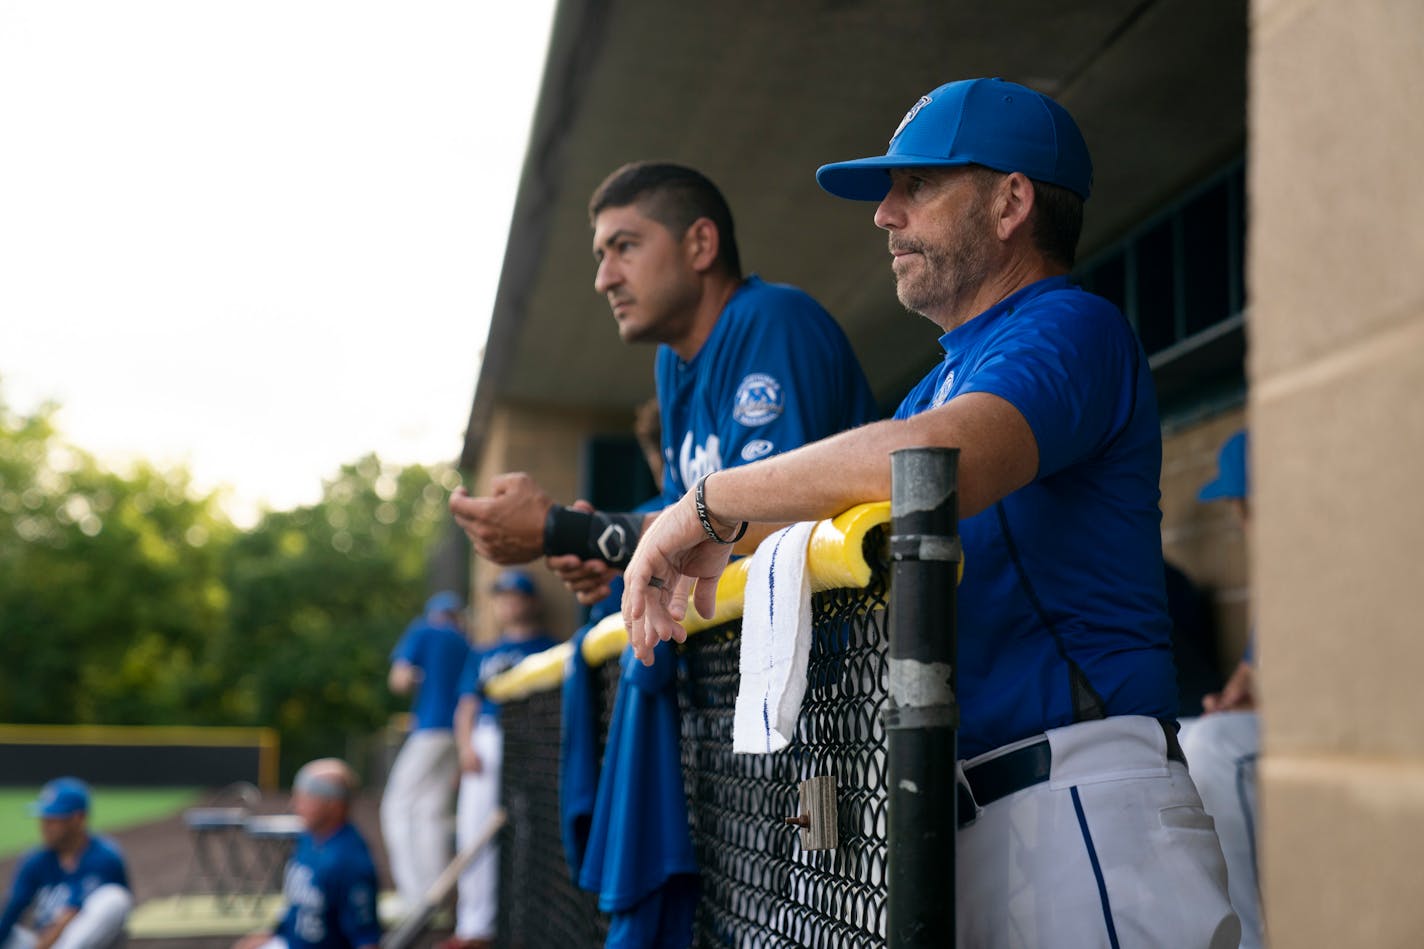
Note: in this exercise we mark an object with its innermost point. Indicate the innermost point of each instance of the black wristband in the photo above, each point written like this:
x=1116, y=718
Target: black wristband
x=699, y=500
x=611, y=538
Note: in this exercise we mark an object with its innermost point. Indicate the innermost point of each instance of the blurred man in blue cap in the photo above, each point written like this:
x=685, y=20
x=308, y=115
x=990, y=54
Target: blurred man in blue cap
x=75, y=884
x=417, y=804
x=1224, y=743
x=518, y=614
x=1079, y=824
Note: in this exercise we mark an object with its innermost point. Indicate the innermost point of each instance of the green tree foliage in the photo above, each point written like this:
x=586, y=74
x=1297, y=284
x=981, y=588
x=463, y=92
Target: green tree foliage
x=319, y=596
x=132, y=599
x=109, y=585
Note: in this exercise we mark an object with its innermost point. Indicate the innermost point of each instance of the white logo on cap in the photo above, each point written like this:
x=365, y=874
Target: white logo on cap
x=910, y=116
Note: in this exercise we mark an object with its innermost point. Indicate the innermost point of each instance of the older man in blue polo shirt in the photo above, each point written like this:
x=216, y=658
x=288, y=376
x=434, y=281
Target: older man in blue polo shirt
x=75, y=884
x=1085, y=828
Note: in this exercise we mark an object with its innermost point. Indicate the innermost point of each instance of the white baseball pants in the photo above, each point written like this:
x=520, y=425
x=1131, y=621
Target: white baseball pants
x=1221, y=752
x=479, y=796
x=1113, y=850
x=415, y=811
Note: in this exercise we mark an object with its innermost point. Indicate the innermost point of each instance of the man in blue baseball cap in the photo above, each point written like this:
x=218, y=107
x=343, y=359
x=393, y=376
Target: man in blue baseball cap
x=419, y=796
x=1079, y=824
x=75, y=885
x=1224, y=743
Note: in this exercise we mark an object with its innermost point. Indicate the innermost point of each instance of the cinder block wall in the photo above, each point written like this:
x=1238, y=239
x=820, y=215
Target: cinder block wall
x=1336, y=271
x=546, y=442
x=1205, y=540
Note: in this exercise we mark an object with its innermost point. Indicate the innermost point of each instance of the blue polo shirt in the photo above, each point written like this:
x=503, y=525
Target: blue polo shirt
x=776, y=373
x=439, y=652
x=1062, y=610
x=330, y=890
x=43, y=882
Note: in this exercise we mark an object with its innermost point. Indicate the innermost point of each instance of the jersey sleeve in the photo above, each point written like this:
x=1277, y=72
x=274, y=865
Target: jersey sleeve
x=356, y=907
x=112, y=868
x=1071, y=372
x=470, y=674
x=787, y=377
x=22, y=893
x=409, y=646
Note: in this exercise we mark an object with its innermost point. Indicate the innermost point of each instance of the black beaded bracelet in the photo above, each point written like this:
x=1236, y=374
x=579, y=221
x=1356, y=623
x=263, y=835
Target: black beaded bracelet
x=699, y=498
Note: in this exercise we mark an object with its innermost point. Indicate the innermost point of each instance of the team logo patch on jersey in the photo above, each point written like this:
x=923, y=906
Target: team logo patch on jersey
x=910, y=116
x=759, y=400
x=942, y=393
x=757, y=448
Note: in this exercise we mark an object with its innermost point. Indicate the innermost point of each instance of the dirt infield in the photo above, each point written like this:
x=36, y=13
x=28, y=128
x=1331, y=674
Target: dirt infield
x=160, y=864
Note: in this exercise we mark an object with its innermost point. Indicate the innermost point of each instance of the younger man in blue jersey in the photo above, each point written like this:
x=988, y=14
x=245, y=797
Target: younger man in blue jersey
x=76, y=883
x=416, y=805
x=745, y=369
x=330, y=885
x=1084, y=826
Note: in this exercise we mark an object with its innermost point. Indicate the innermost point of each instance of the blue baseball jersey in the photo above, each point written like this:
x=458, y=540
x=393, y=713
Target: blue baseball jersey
x=330, y=890
x=42, y=882
x=1062, y=610
x=440, y=653
x=775, y=373
x=485, y=664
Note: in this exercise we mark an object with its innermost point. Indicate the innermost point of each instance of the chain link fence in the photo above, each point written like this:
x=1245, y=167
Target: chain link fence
x=759, y=888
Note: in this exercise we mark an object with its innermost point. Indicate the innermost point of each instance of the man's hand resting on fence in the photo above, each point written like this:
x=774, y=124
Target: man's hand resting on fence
x=673, y=555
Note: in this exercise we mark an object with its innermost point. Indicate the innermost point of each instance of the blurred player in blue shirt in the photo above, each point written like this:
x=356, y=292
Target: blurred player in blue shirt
x=75, y=884
x=330, y=885
x=480, y=741
x=420, y=791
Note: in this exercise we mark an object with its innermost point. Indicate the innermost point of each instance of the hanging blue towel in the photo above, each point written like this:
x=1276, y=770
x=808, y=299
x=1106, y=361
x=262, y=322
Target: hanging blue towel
x=578, y=755
x=639, y=857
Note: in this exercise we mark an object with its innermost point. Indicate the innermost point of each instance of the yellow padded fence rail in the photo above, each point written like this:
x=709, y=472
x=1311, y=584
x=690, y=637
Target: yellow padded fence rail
x=835, y=559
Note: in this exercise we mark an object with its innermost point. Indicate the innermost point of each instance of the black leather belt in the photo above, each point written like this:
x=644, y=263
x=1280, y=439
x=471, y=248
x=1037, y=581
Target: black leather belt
x=986, y=782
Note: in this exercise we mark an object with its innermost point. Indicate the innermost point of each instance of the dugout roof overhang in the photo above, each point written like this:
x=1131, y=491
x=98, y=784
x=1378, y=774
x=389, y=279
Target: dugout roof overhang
x=757, y=95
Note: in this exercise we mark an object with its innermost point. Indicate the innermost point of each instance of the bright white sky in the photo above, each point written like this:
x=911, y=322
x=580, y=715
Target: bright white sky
x=259, y=238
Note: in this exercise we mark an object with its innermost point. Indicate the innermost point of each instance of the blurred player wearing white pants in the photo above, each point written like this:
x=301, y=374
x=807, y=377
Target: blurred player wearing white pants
x=481, y=747
x=416, y=804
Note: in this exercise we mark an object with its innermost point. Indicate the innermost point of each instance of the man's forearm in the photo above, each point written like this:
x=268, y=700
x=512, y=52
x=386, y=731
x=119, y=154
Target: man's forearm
x=55, y=930
x=464, y=721
x=997, y=455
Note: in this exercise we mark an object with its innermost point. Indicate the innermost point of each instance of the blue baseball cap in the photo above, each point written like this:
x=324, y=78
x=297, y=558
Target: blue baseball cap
x=61, y=798
x=444, y=602
x=1231, y=480
x=1001, y=125
x=514, y=581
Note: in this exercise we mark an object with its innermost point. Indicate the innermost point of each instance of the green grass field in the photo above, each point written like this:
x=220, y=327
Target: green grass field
x=111, y=809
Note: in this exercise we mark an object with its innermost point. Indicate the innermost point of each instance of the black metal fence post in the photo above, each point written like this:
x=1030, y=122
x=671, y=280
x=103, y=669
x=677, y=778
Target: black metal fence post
x=921, y=716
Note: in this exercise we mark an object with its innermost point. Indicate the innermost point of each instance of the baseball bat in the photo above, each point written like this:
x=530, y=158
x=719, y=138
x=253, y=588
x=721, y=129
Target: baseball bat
x=404, y=935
